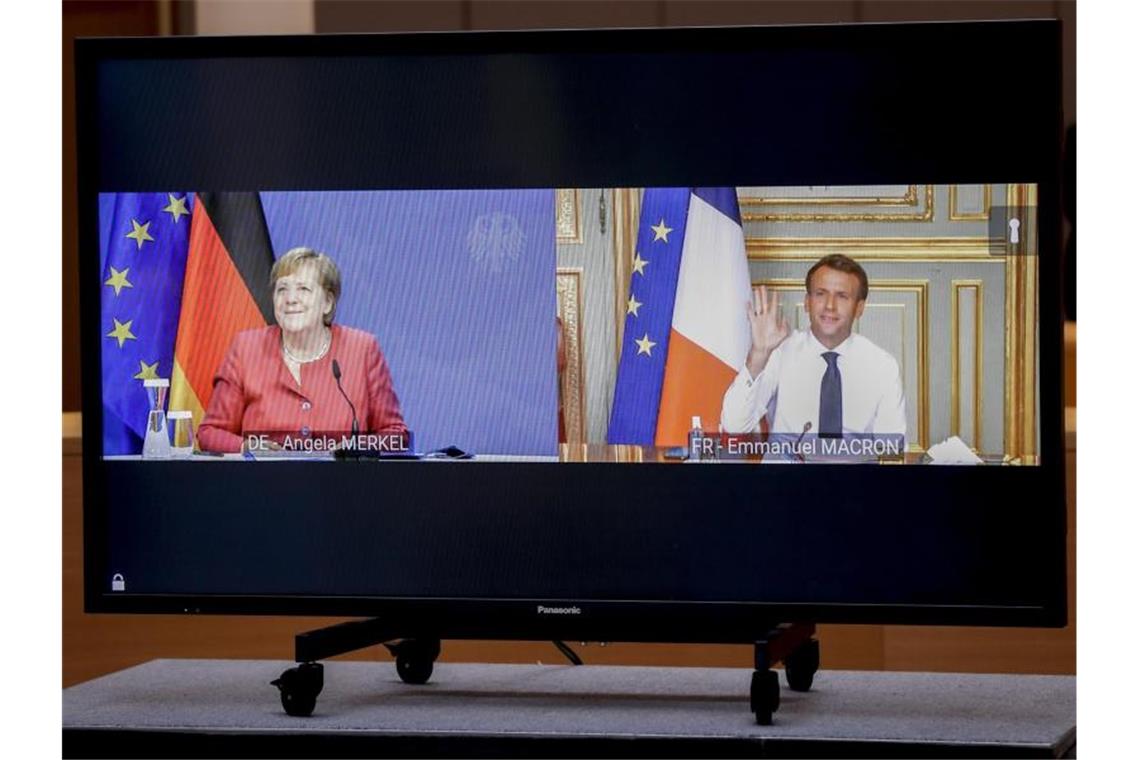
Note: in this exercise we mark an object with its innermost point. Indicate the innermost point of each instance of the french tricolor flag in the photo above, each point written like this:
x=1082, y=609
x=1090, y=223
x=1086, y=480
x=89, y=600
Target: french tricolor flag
x=686, y=329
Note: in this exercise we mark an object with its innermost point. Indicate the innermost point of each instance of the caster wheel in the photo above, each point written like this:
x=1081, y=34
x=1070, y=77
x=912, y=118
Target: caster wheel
x=298, y=704
x=413, y=669
x=415, y=659
x=299, y=688
x=764, y=696
x=801, y=666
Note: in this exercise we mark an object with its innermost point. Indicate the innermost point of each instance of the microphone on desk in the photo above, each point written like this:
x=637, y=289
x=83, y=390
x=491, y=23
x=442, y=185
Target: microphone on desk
x=796, y=447
x=336, y=374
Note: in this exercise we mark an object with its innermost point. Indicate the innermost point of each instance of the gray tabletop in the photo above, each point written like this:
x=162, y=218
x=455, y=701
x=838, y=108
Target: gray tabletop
x=991, y=713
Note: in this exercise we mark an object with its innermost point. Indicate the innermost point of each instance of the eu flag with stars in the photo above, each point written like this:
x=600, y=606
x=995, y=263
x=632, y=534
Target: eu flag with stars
x=144, y=239
x=649, y=316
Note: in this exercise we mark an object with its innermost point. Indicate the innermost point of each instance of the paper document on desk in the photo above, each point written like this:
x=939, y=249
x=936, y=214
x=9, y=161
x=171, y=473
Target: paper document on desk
x=952, y=451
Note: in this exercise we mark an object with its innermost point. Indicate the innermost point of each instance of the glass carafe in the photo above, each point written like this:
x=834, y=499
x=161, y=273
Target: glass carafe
x=156, y=444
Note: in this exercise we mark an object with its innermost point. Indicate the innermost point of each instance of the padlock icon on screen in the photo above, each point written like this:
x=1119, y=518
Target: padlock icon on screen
x=117, y=582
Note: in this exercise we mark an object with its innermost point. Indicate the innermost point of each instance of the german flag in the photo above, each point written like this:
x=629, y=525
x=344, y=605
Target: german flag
x=226, y=290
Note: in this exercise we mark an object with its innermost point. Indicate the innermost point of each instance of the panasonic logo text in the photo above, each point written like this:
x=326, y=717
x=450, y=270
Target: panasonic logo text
x=559, y=610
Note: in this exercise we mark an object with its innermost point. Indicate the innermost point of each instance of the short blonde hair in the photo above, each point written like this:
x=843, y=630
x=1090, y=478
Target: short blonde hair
x=327, y=273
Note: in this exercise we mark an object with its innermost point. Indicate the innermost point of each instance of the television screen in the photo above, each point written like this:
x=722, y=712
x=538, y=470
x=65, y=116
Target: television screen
x=447, y=325
x=311, y=325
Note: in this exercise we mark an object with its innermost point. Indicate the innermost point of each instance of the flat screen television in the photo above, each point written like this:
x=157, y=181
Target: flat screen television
x=629, y=335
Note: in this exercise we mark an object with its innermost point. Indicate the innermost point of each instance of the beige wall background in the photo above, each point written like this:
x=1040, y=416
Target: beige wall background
x=214, y=17
x=97, y=644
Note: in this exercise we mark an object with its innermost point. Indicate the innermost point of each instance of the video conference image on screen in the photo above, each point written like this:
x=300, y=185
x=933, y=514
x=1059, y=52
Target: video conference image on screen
x=886, y=324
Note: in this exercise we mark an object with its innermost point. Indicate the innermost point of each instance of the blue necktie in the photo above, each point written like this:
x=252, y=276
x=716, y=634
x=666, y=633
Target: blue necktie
x=831, y=398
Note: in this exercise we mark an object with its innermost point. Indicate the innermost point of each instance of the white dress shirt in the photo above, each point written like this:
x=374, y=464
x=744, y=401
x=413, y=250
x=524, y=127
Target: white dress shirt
x=787, y=389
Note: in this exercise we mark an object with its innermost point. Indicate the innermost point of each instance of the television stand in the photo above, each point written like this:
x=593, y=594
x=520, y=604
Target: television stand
x=300, y=686
x=790, y=643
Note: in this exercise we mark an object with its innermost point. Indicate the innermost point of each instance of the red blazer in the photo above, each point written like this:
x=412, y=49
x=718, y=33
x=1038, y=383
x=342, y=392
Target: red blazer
x=255, y=393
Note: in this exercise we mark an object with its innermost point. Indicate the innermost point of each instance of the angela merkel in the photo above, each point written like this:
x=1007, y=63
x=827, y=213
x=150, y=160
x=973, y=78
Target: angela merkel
x=280, y=379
